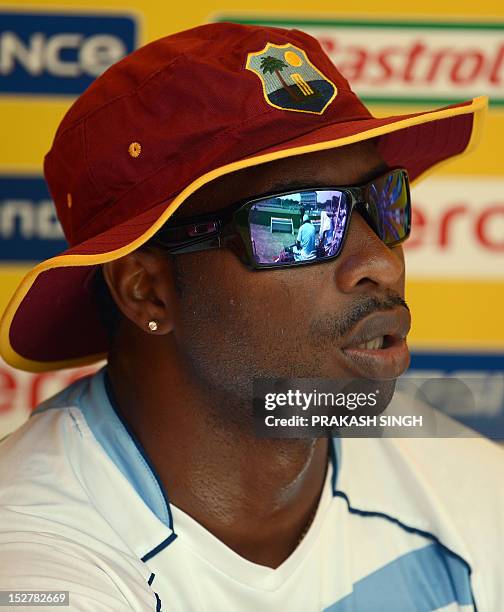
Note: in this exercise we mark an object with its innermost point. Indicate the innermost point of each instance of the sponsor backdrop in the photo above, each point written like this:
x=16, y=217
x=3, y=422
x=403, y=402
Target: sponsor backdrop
x=399, y=57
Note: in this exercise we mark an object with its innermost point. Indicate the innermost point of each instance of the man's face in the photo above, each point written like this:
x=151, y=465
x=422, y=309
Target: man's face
x=236, y=324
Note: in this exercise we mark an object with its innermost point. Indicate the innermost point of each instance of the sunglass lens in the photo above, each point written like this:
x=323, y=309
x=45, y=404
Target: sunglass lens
x=389, y=206
x=297, y=227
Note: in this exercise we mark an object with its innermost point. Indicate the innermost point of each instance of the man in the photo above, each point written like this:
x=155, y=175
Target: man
x=305, y=242
x=326, y=230
x=145, y=487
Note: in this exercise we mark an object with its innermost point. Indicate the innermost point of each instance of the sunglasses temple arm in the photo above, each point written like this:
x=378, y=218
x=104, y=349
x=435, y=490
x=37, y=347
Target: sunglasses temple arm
x=198, y=244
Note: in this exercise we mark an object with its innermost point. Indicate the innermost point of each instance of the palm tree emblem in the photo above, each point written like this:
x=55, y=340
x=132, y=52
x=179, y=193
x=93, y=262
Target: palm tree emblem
x=274, y=65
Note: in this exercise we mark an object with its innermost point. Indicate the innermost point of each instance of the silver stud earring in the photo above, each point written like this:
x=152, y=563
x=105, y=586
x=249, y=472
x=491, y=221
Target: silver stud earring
x=153, y=325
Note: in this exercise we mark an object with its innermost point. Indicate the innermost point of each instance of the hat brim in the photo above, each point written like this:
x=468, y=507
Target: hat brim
x=52, y=322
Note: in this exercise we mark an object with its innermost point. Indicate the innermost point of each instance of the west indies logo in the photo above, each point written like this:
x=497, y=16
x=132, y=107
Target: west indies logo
x=290, y=81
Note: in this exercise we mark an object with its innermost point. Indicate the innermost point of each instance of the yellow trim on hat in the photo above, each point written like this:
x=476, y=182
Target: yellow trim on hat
x=477, y=106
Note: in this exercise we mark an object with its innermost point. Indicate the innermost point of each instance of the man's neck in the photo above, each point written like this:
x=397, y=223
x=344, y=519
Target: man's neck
x=256, y=495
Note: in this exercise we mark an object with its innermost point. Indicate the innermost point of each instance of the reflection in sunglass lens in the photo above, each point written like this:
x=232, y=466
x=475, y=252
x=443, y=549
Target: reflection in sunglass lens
x=298, y=227
x=389, y=205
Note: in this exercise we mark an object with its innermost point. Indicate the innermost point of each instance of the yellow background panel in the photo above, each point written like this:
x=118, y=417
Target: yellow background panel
x=452, y=314
x=10, y=277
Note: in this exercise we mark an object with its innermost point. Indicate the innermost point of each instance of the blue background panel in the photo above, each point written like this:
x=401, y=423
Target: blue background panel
x=29, y=229
x=54, y=53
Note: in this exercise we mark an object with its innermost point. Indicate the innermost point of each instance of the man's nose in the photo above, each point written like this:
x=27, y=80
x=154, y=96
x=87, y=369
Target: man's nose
x=366, y=262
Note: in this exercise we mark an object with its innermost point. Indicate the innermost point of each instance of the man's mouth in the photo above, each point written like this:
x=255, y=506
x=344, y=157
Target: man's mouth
x=376, y=347
x=376, y=343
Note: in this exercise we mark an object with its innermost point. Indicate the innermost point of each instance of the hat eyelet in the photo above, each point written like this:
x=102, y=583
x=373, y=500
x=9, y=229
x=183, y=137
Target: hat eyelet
x=135, y=149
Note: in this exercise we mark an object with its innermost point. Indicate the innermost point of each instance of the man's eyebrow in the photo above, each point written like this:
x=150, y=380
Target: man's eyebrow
x=287, y=185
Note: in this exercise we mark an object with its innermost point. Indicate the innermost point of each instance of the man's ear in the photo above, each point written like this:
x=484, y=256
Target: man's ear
x=142, y=285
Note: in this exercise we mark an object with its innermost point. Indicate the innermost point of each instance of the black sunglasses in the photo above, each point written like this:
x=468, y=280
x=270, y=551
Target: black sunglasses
x=298, y=227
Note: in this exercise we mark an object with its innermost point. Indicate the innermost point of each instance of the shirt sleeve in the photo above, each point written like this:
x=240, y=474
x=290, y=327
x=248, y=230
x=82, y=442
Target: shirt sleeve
x=34, y=567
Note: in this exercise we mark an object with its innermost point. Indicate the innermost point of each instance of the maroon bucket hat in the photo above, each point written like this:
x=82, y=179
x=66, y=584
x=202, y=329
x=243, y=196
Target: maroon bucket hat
x=171, y=117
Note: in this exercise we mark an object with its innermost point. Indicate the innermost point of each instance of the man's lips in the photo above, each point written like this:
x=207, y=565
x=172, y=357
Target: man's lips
x=376, y=347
